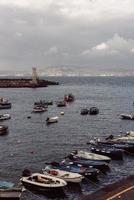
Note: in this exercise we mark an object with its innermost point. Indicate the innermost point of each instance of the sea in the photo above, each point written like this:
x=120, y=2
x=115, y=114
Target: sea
x=30, y=143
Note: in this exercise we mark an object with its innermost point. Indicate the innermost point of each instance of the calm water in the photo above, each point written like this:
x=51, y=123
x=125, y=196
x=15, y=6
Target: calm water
x=30, y=143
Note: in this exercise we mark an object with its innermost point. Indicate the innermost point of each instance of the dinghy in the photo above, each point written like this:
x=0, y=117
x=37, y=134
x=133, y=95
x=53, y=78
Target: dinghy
x=66, y=176
x=90, y=156
x=5, y=117
x=51, y=120
x=45, y=182
x=127, y=116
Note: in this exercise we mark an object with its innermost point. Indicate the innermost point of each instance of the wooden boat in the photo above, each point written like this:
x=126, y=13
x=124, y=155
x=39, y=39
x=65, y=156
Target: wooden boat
x=10, y=194
x=5, y=117
x=66, y=176
x=51, y=120
x=90, y=156
x=3, y=130
x=127, y=116
x=69, y=98
x=45, y=182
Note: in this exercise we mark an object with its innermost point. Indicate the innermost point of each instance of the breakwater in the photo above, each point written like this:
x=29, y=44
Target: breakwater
x=22, y=82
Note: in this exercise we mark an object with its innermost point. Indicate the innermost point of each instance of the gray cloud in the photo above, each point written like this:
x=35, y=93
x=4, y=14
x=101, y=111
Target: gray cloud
x=93, y=35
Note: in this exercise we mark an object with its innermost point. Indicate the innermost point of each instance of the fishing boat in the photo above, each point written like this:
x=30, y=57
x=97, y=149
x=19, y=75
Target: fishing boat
x=3, y=130
x=90, y=156
x=87, y=172
x=4, y=103
x=66, y=176
x=51, y=120
x=5, y=117
x=38, y=109
x=69, y=98
x=37, y=181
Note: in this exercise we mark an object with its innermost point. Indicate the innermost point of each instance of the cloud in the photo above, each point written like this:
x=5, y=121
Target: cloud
x=115, y=45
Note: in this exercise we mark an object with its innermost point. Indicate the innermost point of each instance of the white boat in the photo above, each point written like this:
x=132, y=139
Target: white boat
x=66, y=176
x=42, y=182
x=90, y=156
x=51, y=120
x=5, y=117
x=127, y=116
x=39, y=109
x=9, y=194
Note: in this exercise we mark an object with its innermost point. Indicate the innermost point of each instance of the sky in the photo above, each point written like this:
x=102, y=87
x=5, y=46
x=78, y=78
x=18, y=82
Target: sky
x=67, y=37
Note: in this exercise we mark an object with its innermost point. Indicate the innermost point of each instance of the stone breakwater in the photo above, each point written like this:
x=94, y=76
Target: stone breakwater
x=19, y=83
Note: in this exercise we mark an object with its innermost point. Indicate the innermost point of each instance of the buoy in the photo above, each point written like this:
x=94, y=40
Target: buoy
x=62, y=113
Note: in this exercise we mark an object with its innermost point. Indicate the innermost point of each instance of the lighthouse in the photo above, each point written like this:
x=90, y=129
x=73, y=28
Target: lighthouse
x=34, y=76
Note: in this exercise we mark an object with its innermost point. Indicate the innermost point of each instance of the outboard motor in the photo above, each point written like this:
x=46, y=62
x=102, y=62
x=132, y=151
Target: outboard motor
x=26, y=172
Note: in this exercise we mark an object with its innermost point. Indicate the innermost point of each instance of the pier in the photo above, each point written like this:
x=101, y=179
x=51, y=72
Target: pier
x=33, y=82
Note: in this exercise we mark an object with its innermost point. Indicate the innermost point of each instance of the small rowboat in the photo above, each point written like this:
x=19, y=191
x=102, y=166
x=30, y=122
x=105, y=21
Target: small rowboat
x=5, y=117
x=66, y=176
x=51, y=120
x=45, y=182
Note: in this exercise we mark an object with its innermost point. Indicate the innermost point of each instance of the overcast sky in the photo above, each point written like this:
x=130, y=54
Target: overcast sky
x=96, y=35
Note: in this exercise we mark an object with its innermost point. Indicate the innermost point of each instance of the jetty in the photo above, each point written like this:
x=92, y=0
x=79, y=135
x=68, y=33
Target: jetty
x=32, y=82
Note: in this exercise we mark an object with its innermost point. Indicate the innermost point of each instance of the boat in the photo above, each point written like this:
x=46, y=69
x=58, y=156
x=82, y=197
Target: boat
x=113, y=153
x=127, y=116
x=93, y=111
x=37, y=181
x=3, y=130
x=90, y=156
x=87, y=172
x=4, y=103
x=102, y=166
x=38, y=109
x=61, y=104
x=66, y=176
x=9, y=192
x=51, y=120
x=84, y=111
x=69, y=98
x=5, y=117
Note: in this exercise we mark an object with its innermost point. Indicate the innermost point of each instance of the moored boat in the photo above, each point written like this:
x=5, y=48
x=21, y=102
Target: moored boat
x=61, y=104
x=93, y=111
x=66, y=176
x=90, y=156
x=84, y=111
x=87, y=172
x=51, y=120
x=5, y=117
x=127, y=116
x=69, y=98
x=38, y=109
x=4, y=103
x=3, y=130
x=45, y=182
